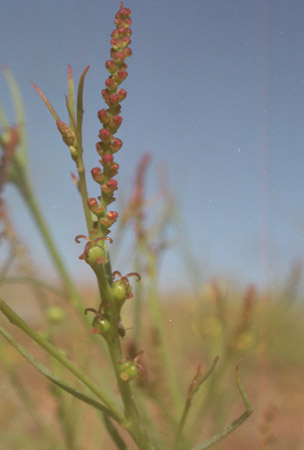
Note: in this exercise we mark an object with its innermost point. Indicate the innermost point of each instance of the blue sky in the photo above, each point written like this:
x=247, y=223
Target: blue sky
x=215, y=94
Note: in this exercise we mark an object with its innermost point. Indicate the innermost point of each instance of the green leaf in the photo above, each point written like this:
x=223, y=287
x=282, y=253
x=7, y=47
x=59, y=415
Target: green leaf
x=21, y=154
x=46, y=102
x=80, y=104
x=71, y=99
x=233, y=425
x=3, y=119
x=106, y=398
x=53, y=378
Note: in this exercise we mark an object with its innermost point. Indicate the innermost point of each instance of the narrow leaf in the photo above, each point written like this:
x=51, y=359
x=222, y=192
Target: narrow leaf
x=19, y=112
x=80, y=102
x=71, y=99
x=71, y=116
x=46, y=102
x=235, y=424
x=56, y=380
x=103, y=396
x=204, y=377
x=3, y=119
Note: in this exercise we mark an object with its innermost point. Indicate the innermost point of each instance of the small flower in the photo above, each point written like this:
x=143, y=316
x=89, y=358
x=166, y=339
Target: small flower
x=131, y=369
x=94, y=253
x=111, y=119
x=68, y=135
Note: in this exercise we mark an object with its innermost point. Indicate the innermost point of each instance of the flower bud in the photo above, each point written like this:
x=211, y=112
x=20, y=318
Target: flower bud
x=94, y=207
x=111, y=66
x=127, y=52
x=118, y=57
x=101, y=326
x=128, y=370
x=109, y=219
x=103, y=116
x=67, y=133
x=121, y=76
x=55, y=314
x=107, y=159
x=97, y=175
x=115, y=145
x=95, y=256
x=105, y=135
x=122, y=94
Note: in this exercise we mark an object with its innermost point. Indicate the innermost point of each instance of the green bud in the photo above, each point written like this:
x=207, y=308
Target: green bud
x=101, y=326
x=55, y=314
x=121, y=291
x=128, y=370
x=96, y=255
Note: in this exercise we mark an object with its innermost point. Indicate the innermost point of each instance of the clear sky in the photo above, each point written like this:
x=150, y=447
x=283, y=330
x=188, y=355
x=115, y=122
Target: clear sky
x=215, y=93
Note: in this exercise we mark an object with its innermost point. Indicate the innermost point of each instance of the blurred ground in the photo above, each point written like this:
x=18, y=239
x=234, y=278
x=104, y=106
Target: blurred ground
x=268, y=351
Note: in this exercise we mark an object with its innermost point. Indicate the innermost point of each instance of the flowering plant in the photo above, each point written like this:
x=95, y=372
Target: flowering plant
x=115, y=289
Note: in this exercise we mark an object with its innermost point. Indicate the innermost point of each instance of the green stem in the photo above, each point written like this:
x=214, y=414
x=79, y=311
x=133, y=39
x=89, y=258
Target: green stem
x=235, y=424
x=16, y=320
x=197, y=381
x=43, y=428
x=133, y=424
x=84, y=192
x=34, y=282
x=22, y=182
x=165, y=352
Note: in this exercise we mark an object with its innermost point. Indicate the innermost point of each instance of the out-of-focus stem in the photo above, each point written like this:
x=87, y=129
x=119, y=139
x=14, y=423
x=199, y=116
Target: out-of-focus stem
x=84, y=194
x=22, y=182
x=134, y=425
x=44, y=430
x=157, y=315
x=57, y=354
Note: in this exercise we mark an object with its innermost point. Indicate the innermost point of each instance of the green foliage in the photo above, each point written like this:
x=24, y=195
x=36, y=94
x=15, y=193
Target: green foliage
x=141, y=399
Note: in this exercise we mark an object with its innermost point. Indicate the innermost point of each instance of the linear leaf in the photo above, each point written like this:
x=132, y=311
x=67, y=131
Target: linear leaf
x=233, y=425
x=19, y=112
x=56, y=380
x=71, y=99
x=80, y=103
x=46, y=102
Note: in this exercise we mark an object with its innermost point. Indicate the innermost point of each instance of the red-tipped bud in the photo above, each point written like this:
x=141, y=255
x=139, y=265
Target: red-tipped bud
x=115, y=123
x=114, y=169
x=123, y=13
x=122, y=93
x=113, y=100
x=115, y=145
x=121, y=76
x=107, y=159
x=127, y=52
x=116, y=43
x=97, y=175
x=111, y=84
x=105, y=135
x=105, y=95
x=111, y=66
x=103, y=116
x=109, y=188
x=94, y=207
x=121, y=32
x=112, y=215
x=92, y=202
x=126, y=41
x=110, y=219
x=112, y=184
x=67, y=133
x=100, y=148
x=118, y=57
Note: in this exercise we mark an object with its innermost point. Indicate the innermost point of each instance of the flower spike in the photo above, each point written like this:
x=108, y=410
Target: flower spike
x=111, y=119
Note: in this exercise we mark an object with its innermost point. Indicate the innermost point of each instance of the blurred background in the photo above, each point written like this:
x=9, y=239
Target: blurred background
x=216, y=98
x=215, y=94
